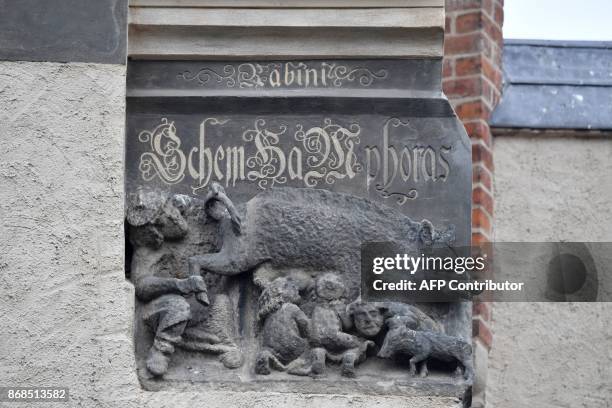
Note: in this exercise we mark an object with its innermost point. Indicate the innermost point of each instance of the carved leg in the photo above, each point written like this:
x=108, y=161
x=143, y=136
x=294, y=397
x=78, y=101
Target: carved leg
x=262, y=362
x=172, y=314
x=468, y=368
x=424, y=370
x=414, y=360
x=162, y=348
x=266, y=360
x=318, y=360
x=348, y=364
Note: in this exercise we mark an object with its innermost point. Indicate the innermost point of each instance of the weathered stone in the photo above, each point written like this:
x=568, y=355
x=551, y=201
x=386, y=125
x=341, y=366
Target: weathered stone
x=281, y=171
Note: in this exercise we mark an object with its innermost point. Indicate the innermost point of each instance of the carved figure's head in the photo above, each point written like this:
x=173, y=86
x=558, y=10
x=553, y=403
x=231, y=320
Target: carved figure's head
x=155, y=217
x=394, y=338
x=367, y=317
x=219, y=206
x=279, y=291
x=329, y=286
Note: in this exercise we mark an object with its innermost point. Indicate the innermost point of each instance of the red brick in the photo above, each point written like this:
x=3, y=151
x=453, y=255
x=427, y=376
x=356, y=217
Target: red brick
x=478, y=129
x=481, y=175
x=486, y=46
x=486, y=93
x=462, y=88
x=488, y=6
x=482, y=309
x=480, y=330
x=469, y=22
x=479, y=239
x=492, y=29
x=481, y=154
x=497, y=56
x=447, y=68
x=473, y=110
x=462, y=44
x=496, y=96
x=480, y=219
x=499, y=14
x=482, y=198
x=493, y=73
x=448, y=24
x=454, y=5
x=468, y=65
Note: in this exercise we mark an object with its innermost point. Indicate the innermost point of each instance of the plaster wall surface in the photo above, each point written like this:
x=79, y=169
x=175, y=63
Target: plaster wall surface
x=552, y=354
x=65, y=306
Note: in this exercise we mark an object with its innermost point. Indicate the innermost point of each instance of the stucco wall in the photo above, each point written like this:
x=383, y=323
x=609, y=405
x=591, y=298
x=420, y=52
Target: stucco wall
x=552, y=354
x=64, y=300
x=65, y=306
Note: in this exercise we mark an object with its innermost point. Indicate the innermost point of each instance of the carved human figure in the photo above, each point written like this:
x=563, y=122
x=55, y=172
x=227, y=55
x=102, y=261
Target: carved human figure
x=329, y=322
x=154, y=219
x=369, y=318
x=155, y=222
x=284, y=330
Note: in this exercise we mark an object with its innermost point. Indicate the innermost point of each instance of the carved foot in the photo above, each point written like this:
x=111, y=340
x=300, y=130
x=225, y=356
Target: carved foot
x=348, y=371
x=412, y=369
x=318, y=361
x=157, y=362
x=299, y=367
x=424, y=371
x=232, y=358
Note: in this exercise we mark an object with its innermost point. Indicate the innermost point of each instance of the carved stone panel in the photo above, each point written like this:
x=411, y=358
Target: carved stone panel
x=250, y=189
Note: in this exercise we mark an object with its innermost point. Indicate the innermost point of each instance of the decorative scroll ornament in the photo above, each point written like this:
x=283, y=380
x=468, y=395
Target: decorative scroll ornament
x=401, y=198
x=166, y=159
x=341, y=73
x=205, y=75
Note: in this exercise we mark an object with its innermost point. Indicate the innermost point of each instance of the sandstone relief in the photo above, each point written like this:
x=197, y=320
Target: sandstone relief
x=270, y=287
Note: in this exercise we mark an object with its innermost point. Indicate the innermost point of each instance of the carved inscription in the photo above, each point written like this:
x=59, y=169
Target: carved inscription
x=388, y=163
x=316, y=155
x=289, y=74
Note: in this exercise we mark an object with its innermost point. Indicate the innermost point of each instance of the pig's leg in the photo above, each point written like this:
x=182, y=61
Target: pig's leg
x=424, y=371
x=417, y=358
x=468, y=367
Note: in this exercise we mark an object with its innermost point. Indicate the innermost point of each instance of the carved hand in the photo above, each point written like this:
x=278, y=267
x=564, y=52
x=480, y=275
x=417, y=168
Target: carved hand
x=192, y=284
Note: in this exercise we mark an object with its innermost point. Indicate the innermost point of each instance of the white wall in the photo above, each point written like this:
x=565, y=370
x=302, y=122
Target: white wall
x=551, y=188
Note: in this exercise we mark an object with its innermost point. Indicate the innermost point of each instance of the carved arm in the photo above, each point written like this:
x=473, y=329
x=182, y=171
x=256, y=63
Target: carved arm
x=151, y=287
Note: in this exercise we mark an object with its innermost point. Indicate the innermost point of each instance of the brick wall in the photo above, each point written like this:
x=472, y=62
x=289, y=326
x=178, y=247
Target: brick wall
x=473, y=82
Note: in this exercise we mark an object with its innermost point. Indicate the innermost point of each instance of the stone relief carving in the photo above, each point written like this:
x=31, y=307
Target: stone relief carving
x=195, y=262
x=166, y=294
